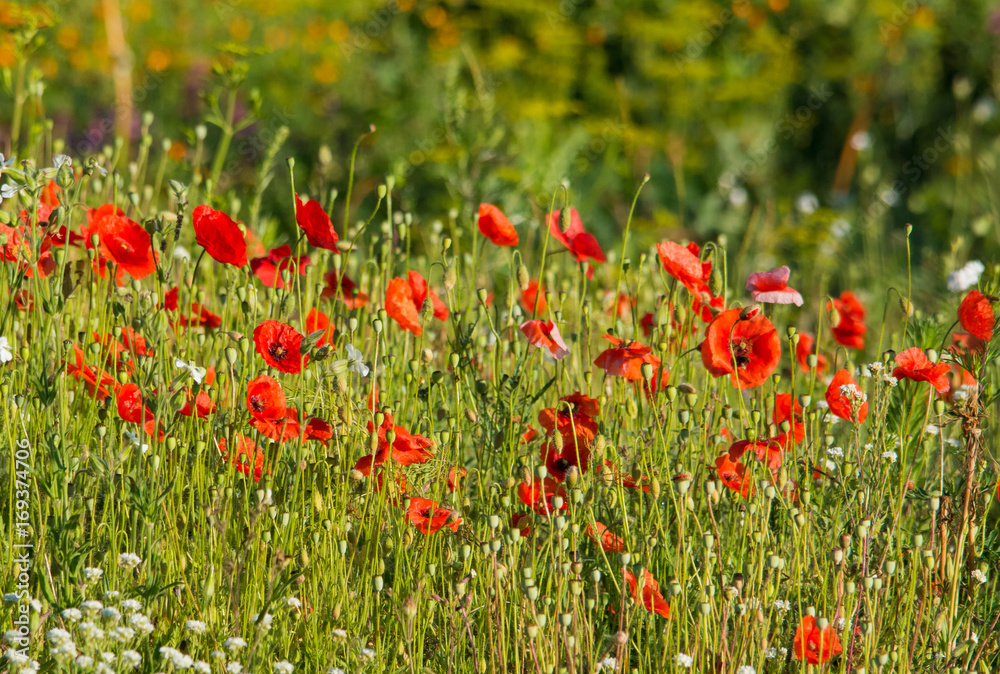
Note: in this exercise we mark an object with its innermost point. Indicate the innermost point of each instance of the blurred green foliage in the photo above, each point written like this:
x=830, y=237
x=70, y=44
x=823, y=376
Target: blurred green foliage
x=734, y=109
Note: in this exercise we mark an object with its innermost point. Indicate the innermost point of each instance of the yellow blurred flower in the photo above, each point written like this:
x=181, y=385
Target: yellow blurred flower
x=158, y=59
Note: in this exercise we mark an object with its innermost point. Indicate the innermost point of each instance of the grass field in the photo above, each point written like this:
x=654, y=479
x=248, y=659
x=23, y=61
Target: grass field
x=278, y=412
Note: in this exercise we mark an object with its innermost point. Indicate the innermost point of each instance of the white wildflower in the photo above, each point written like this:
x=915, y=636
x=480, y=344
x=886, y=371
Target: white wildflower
x=608, y=663
x=234, y=644
x=217, y=655
x=773, y=653
x=141, y=623
x=283, y=667
x=890, y=456
x=293, y=602
x=356, y=361
x=738, y=196
x=234, y=668
x=339, y=634
x=202, y=667
x=746, y=669
x=6, y=352
x=367, y=654
x=14, y=637
x=92, y=574
x=932, y=429
x=111, y=595
x=962, y=279
x=181, y=253
x=861, y=140
x=15, y=658
x=782, y=606
x=195, y=627
x=335, y=670
x=56, y=636
x=84, y=661
x=121, y=634
x=890, y=380
x=835, y=452
x=108, y=656
x=807, y=203
x=265, y=622
x=129, y=560
x=683, y=660
x=979, y=576
x=131, y=605
x=90, y=631
x=10, y=598
x=111, y=614
x=197, y=373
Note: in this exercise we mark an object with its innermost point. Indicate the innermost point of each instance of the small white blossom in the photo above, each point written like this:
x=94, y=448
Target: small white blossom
x=202, y=667
x=746, y=669
x=861, y=140
x=181, y=253
x=890, y=380
x=90, y=631
x=140, y=623
x=108, y=656
x=234, y=644
x=111, y=595
x=121, y=634
x=841, y=624
x=356, y=361
x=111, y=614
x=773, y=653
x=367, y=654
x=92, y=574
x=608, y=663
x=131, y=605
x=683, y=660
x=807, y=203
x=962, y=279
x=195, y=627
x=335, y=670
x=15, y=658
x=57, y=635
x=283, y=667
x=293, y=602
x=6, y=352
x=339, y=634
x=835, y=452
x=129, y=560
x=197, y=373
x=782, y=606
x=932, y=429
x=265, y=622
x=234, y=668
x=84, y=662
x=979, y=576
x=890, y=456
x=134, y=439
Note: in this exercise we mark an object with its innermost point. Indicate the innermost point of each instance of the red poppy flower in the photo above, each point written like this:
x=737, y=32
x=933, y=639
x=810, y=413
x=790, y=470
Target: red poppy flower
x=572, y=455
x=98, y=382
x=316, y=320
x=282, y=430
x=220, y=236
x=404, y=300
x=278, y=344
x=270, y=267
x=131, y=408
x=427, y=517
x=538, y=495
x=574, y=417
x=788, y=409
x=200, y=316
x=203, y=405
x=581, y=244
x=609, y=542
x=625, y=358
x=913, y=364
x=733, y=474
x=962, y=342
x=771, y=287
x=846, y=399
x=975, y=313
x=769, y=452
x=247, y=457
x=804, y=349
x=455, y=476
x=752, y=343
x=683, y=264
x=545, y=335
x=170, y=299
x=315, y=223
x=531, y=295
x=348, y=290
x=406, y=449
x=521, y=522
x=814, y=645
x=317, y=429
x=266, y=400
x=651, y=597
x=495, y=226
x=850, y=329
x=122, y=241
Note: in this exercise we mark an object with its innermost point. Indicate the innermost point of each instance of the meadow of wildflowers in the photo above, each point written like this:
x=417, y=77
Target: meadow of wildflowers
x=290, y=423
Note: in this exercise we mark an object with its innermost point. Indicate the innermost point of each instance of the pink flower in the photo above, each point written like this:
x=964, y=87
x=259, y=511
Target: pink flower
x=772, y=287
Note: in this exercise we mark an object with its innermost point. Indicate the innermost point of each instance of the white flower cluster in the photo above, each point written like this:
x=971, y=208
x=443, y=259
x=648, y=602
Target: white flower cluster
x=746, y=669
x=683, y=660
x=890, y=456
x=129, y=560
x=962, y=279
x=835, y=452
x=852, y=392
x=782, y=606
x=979, y=576
x=776, y=653
x=607, y=663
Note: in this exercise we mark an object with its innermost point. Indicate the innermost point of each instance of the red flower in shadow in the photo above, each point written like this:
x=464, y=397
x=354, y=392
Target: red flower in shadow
x=270, y=267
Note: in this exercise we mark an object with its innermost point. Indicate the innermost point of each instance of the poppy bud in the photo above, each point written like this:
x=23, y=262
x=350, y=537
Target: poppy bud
x=564, y=220
x=450, y=277
x=523, y=279
x=715, y=283
x=906, y=306
x=749, y=312
x=471, y=415
x=834, y=316
x=680, y=314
